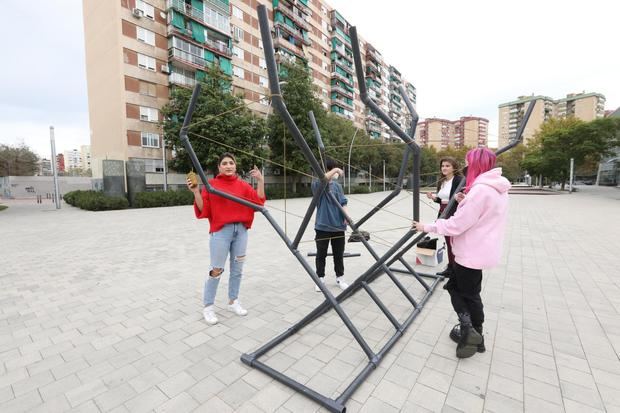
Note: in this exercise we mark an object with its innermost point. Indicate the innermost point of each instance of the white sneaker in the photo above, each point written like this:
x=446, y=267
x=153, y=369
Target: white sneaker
x=236, y=308
x=209, y=315
x=341, y=283
x=316, y=286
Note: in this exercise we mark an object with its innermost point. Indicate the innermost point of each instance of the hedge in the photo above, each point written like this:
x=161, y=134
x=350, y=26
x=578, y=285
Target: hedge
x=164, y=198
x=95, y=201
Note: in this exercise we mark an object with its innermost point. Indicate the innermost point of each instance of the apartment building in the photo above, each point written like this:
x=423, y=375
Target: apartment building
x=136, y=50
x=584, y=106
x=468, y=131
x=73, y=159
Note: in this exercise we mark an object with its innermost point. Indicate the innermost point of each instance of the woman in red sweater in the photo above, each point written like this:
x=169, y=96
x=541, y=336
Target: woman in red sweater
x=229, y=222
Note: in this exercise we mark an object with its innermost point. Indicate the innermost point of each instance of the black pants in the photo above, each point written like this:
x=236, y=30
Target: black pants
x=464, y=288
x=322, y=240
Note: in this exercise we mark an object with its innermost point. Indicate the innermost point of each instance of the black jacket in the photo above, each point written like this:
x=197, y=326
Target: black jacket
x=455, y=182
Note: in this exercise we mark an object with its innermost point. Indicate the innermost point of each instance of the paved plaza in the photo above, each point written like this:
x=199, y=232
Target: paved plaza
x=102, y=311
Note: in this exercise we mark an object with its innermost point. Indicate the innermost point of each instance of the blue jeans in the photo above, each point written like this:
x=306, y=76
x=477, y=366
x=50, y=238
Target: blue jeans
x=233, y=239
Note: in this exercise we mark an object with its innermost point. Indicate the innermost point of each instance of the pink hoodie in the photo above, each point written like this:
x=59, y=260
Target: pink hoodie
x=477, y=227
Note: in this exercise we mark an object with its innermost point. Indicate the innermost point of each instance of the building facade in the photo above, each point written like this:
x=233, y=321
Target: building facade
x=584, y=106
x=468, y=131
x=137, y=50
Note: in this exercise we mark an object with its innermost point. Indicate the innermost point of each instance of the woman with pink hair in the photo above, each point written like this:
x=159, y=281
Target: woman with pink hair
x=477, y=231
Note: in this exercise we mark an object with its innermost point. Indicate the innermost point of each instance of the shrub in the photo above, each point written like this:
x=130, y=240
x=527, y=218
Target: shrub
x=95, y=201
x=164, y=198
x=360, y=189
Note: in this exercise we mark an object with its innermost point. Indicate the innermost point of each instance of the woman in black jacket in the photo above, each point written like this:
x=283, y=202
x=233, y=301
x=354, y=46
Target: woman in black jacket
x=448, y=181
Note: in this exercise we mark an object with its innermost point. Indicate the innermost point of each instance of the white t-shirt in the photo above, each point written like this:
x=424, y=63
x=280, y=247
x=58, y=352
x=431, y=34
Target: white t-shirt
x=444, y=192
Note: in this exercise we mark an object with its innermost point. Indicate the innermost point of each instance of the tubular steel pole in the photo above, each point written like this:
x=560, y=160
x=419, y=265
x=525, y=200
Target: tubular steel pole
x=55, y=168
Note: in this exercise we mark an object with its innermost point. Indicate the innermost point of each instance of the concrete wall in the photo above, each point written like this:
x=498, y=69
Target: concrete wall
x=31, y=186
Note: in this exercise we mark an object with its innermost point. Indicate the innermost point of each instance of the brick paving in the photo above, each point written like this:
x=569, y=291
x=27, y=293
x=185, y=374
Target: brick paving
x=102, y=312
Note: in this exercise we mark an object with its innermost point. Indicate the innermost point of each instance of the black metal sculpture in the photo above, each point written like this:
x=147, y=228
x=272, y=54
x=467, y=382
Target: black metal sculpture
x=382, y=263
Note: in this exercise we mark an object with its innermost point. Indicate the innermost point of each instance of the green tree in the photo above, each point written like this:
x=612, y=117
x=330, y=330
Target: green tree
x=221, y=123
x=559, y=140
x=511, y=163
x=17, y=160
x=299, y=95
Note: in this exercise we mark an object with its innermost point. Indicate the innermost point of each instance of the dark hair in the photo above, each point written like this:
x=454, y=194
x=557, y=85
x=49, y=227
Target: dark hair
x=330, y=164
x=226, y=155
x=455, y=166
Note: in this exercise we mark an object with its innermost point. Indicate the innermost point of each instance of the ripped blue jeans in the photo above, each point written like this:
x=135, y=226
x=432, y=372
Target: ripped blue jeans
x=231, y=240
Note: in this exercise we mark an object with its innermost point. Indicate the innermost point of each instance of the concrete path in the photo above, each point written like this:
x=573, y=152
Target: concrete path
x=102, y=312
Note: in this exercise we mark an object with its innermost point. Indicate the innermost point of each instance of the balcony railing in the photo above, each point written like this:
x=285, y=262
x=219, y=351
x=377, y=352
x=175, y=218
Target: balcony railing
x=179, y=79
x=343, y=91
x=218, y=46
x=293, y=48
x=222, y=25
x=293, y=32
x=300, y=21
x=343, y=103
x=183, y=56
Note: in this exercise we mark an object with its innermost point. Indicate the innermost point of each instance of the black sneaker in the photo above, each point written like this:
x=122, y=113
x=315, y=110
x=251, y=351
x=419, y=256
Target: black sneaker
x=455, y=335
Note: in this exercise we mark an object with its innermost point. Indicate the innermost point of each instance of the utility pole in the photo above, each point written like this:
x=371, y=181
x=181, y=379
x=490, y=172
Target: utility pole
x=570, y=182
x=384, y=175
x=54, y=168
x=163, y=150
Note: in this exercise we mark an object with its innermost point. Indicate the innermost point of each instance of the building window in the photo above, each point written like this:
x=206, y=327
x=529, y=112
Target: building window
x=263, y=100
x=146, y=62
x=237, y=33
x=263, y=81
x=239, y=72
x=147, y=9
x=146, y=36
x=239, y=52
x=149, y=114
x=148, y=89
x=153, y=165
x=150, y=140
x=262, y=63
x=237, y=12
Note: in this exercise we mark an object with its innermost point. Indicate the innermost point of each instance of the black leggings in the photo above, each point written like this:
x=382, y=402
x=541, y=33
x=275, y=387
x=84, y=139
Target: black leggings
x=464, y=288
x=322, y=240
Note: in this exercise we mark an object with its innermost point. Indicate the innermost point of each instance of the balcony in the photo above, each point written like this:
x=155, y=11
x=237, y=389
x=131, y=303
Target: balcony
x=290, y=13
x=220, y=23
x=342, y=91
x=187, y=58
x=342, y=36
x=216, y=46
x=336, y=75
x=179, y=79
x=293, y=32
x=292, y=48
x=343, y=65
x=342, y=103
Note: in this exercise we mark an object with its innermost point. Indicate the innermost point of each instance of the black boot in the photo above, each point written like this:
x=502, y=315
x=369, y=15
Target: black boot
x=447, y=273
x=470, y=338
x=455, y=335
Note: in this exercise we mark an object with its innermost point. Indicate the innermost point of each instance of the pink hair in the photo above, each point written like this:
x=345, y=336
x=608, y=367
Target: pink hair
x=479, y=161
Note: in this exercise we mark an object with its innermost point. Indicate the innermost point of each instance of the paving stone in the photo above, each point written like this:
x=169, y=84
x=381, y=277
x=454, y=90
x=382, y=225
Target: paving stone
x=551, y=310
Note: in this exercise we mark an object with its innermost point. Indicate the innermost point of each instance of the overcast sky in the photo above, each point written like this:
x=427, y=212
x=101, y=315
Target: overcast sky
x=464, y=57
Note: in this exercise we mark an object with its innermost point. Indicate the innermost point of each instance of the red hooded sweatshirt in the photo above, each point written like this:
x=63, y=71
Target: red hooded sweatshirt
x=221, y=211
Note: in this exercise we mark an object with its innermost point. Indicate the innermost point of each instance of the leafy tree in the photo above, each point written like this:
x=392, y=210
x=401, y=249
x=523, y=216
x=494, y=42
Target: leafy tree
x=221, y=123
x=559, y=140
x=511, y=162
x=17, y=160
x=299, y=94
